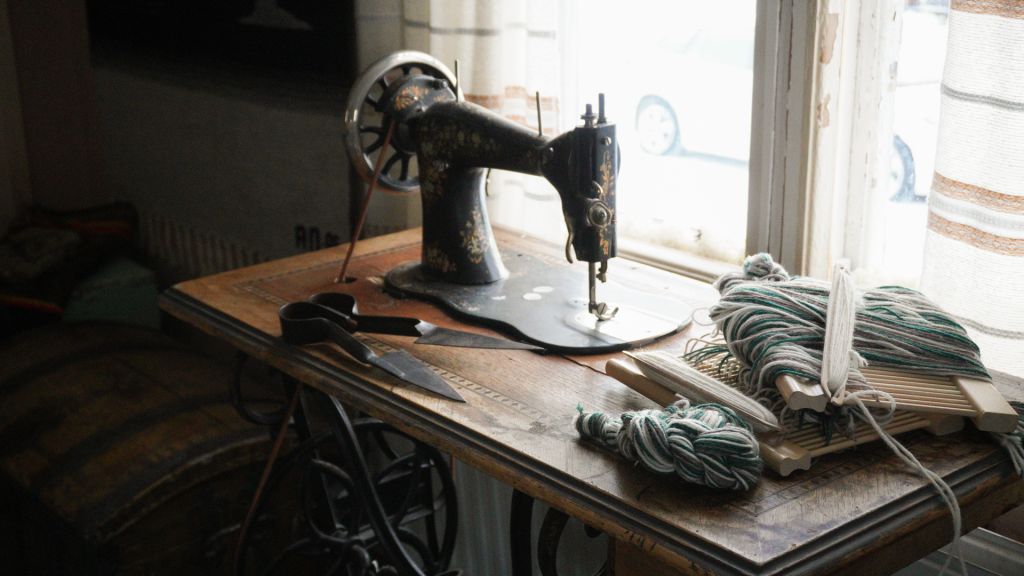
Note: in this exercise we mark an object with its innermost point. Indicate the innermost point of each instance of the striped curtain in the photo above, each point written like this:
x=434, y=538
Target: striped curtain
x=974, y=251
x=507, y=51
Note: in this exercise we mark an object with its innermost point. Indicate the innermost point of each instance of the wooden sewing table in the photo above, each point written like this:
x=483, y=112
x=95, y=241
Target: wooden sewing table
x=861, y=512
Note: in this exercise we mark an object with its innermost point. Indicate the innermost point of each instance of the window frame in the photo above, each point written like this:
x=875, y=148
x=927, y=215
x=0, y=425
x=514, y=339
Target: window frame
x=785, y=41
x=783, y=135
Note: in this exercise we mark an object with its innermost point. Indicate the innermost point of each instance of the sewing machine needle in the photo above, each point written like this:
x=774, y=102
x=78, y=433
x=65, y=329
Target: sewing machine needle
x=599, y=309
x=592, y=279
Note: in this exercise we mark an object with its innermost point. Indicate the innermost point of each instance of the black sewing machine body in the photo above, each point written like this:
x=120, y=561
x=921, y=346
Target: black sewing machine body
x=454, y=144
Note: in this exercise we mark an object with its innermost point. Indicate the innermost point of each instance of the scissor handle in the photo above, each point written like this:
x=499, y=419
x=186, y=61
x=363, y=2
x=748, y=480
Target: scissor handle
x=337, y=301
x=345, y=304
x=309, y=323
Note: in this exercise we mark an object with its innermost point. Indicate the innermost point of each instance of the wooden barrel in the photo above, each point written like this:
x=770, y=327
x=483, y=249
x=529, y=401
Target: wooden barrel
x=121, y=452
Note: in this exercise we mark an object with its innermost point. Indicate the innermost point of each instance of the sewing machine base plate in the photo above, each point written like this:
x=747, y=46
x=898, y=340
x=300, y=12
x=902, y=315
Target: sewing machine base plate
x=545, y=303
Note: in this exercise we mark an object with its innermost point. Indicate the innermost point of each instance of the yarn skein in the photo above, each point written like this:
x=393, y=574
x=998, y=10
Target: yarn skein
x=840, y=320
x=706, y=444
x=774, y=325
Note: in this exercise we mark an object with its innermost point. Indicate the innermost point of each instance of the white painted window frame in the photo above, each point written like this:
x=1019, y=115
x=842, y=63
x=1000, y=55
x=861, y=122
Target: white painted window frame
x=822, y=129
x=784, y=42
x=850, y=153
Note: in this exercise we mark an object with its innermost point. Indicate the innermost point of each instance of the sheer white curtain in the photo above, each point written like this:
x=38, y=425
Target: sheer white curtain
x=507, y=51
x=974, y=252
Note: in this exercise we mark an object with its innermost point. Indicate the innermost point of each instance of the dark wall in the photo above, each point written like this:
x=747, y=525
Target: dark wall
x=223, y=125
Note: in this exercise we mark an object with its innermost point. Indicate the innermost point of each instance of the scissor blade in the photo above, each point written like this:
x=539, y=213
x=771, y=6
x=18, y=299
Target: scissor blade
x=439, y=336
x=407, y=367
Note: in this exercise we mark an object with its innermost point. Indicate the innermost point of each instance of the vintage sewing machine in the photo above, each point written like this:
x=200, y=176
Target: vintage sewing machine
x=444, y=146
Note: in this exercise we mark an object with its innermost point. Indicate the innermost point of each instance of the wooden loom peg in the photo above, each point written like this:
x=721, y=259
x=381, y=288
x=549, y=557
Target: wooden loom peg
x=784, y=457
x=993, y=412
x=800, y=394
x=921, y=393
x=942, y=424
x=628, y=374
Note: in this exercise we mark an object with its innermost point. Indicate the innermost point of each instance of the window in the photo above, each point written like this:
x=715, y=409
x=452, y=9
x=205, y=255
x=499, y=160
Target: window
x=839, y=99
x=745, y=126
x=678, y=83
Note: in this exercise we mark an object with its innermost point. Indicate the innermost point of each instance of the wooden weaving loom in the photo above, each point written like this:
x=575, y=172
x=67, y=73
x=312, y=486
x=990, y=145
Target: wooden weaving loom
x=957, y=396
x=935, y=404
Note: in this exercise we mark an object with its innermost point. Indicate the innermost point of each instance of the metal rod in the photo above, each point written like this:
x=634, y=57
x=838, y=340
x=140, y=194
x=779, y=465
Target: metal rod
x=458, y=81
x=600, y=309
x=592, y=283
x=275, y=450
x=366, y=204
x=540, y=126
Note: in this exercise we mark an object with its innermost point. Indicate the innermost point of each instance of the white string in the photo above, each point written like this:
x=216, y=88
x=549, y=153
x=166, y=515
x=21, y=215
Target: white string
x=839, y=323
x=944, y=490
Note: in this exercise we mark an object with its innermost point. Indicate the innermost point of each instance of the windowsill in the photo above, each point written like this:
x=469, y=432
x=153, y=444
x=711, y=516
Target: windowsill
x=676, y=261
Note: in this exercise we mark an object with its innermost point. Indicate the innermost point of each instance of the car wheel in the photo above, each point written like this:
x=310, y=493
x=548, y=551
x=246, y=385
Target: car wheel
x=656, y=126
x=902, y=178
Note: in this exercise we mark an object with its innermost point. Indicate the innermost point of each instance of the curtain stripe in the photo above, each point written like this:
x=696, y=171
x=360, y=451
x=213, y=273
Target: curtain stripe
x=1004, y=8
x=981, y=99
x=991, y=199
x=975, y=237
x=971, y=214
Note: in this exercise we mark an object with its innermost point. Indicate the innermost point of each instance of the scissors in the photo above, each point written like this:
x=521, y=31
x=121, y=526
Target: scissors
x=426, y=333
x=309, y=323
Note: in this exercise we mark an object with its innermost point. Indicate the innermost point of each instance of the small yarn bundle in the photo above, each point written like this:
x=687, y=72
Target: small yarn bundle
x=706, y=444
x=755, y=267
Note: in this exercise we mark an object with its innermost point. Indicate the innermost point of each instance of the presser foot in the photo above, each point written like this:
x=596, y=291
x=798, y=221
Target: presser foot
x=601, y=310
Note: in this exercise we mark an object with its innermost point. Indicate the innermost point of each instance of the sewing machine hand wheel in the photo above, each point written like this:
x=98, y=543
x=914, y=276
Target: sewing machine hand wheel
x=366, y=120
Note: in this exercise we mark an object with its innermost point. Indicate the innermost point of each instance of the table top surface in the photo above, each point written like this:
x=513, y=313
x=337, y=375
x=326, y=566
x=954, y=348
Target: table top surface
x=517, y=425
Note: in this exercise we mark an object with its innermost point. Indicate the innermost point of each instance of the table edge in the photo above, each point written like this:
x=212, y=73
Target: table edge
x=545, y=482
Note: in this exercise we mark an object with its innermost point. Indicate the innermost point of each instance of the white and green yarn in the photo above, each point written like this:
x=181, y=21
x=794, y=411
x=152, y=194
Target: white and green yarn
x=774, y=325
x=706, y=444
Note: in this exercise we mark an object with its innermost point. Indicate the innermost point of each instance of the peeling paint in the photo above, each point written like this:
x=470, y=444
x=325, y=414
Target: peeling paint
x=821, y=111
x=829, y=25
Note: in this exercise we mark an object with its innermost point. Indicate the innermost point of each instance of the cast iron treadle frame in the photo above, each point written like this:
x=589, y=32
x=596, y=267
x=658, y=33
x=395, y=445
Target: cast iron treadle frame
x=355, y=517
